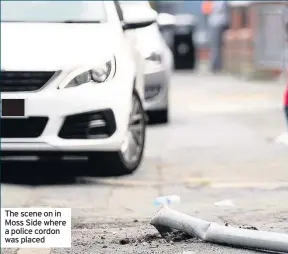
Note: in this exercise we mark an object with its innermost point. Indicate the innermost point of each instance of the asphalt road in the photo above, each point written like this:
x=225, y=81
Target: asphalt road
x=220, y=145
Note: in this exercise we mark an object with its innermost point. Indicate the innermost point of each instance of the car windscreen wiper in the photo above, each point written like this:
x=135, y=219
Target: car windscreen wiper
x=14, y=21
x=65, y=21
x=82, y=21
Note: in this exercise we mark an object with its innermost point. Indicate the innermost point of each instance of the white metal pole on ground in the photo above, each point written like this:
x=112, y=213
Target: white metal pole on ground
x=167, y=218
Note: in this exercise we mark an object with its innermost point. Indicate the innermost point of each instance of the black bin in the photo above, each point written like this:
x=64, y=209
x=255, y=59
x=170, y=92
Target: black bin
x=184, y=48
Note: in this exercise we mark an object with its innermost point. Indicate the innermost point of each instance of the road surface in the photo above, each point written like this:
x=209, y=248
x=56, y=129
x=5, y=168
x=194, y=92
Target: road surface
x=220, y=145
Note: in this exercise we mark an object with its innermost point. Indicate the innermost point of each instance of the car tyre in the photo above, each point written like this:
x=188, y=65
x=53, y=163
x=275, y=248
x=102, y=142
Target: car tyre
x=129, y=157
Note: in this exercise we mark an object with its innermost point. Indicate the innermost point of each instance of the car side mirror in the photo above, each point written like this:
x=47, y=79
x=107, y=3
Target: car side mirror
x=134, y=20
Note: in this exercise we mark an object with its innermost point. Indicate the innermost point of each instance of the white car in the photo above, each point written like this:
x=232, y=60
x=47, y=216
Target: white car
x=71, y=82
x=158, y=67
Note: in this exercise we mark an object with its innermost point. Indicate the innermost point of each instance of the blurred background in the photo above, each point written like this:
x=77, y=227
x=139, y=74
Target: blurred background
x=218, y=136
x=250, y=50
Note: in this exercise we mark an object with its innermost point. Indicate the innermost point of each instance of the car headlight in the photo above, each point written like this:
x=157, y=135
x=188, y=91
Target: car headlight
x=154, y=57
x=99, y=74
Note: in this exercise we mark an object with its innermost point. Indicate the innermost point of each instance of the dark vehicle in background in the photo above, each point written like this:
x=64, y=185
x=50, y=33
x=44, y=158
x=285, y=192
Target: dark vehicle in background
x=183, y=46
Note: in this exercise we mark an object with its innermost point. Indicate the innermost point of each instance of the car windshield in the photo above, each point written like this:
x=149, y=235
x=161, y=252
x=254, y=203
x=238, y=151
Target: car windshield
x=139, y=3
x=134, y=4
x=53, y=11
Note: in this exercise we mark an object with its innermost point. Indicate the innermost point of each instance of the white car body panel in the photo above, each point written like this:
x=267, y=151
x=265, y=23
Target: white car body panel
x=149, y=40
x=71, y=51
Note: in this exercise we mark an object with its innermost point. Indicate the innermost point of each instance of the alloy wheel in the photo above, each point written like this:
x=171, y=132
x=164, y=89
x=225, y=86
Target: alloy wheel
x=132, y=146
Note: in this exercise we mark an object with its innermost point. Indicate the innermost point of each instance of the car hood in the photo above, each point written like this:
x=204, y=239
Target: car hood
x=28, y=46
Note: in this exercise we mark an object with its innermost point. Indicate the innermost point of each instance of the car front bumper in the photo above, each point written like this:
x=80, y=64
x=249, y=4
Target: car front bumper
x=156, y=90
x=57, y=105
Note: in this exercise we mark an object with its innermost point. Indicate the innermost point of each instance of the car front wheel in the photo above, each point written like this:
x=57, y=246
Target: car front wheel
x=129, y=157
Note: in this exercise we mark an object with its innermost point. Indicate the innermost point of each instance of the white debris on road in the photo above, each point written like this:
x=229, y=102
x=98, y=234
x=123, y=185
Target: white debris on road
x=228, y=203
x=282, y=139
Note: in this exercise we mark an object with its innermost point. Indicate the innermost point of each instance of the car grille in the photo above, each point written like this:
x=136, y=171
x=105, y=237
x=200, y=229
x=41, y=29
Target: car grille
x=92, y=125
x=23, y=81
x=31, y=127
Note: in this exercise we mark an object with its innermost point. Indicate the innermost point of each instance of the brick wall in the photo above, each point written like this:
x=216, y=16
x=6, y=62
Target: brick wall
x=239, y=47
x=203, y=53
x=238, y=41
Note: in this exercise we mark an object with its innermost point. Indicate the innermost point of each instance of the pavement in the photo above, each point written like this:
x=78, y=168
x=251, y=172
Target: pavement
x=219, y=146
